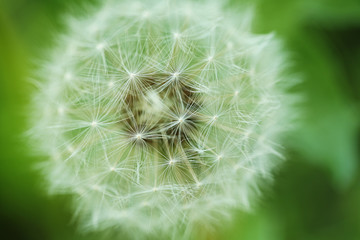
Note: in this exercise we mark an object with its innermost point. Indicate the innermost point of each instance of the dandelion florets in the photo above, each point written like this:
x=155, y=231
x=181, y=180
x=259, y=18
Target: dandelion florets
x=159, y=116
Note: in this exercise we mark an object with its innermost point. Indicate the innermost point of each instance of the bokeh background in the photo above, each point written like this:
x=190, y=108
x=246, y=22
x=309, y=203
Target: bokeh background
x=316, y=193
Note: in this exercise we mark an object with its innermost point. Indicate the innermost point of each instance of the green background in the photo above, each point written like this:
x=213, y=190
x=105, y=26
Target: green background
x=316, y=193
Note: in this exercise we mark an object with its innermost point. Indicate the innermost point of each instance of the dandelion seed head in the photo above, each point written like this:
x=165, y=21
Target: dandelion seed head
x=158, y=110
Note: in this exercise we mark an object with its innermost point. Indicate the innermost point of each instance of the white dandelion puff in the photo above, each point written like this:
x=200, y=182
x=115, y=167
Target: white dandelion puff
x=160, y=116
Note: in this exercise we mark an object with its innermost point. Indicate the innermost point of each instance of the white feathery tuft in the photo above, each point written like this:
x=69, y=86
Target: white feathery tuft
x=160, y=116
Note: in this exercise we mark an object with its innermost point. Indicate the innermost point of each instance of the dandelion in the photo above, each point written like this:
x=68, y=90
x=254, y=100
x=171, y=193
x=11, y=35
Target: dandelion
x=160, y=116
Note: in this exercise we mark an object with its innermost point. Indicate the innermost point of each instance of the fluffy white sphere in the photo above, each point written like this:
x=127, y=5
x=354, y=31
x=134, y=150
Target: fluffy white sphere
x=160, y=116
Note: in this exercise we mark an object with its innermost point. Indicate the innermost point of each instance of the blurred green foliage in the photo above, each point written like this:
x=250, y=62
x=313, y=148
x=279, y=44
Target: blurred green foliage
x=316, y=194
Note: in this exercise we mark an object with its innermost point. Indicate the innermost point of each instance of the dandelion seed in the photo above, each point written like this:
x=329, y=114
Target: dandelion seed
x=110, y=84
x=70, y=149
x=181, y=120
x=68, y=76
x=230, y=45
x=176, y=35
x=175, y=75
x=100, y=46
x=132, y=76
x=61, y=110
x=145, y=14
